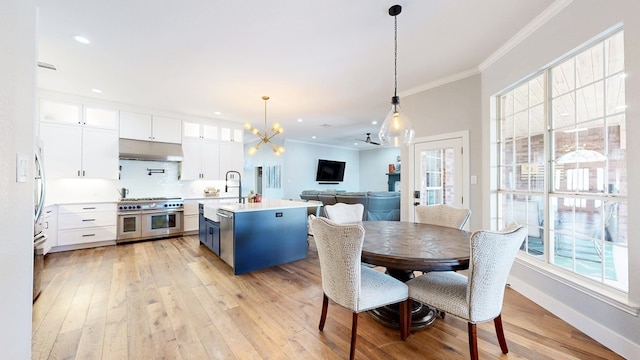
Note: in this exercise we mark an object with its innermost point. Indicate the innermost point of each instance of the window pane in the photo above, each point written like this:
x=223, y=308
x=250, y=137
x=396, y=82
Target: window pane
x=590, y=102
x=506, y=104
x=563, y=77
x=536, y=120
x=536, y=91
x=527, y=211
x=614, y=48
x=615, y=94
x=522, y=162
x=590, y=65
x=507, y=128
x=617, y=156
x=521, y=98
x=564, y=110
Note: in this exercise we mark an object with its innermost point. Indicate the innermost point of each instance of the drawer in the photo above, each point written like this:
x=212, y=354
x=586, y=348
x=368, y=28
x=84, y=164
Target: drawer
x=191, y=222
x=85, y=208
x=190, y=207
x=84, y=236
x=86, y=220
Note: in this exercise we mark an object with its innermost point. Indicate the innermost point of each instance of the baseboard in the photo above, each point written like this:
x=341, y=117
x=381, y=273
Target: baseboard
x=612, y=340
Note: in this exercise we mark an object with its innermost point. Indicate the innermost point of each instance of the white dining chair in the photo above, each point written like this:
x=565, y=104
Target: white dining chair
x=477, y=297
x=342, y=213
x=347, y=282
x=443, y=215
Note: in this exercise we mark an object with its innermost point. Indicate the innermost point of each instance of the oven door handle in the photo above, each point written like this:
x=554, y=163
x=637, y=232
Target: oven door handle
x=39, y=239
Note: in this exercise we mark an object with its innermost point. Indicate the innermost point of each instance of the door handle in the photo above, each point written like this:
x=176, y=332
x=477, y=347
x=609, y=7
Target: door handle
x=416, y=203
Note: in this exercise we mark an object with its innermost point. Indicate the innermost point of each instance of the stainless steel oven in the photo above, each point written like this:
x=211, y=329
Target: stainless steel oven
x=149, y=218
x=168, y=222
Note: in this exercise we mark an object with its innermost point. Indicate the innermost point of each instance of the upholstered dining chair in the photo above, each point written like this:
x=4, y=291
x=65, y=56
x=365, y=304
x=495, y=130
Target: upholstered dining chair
x=347, y=282
x=477, y=297
x=443, y=215
x=342, y=213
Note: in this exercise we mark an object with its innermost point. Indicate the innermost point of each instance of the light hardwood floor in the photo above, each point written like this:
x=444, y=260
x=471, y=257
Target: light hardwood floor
x=174, y=299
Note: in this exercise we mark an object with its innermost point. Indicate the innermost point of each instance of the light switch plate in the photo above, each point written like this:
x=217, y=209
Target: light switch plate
x=22, y=166
x=474, y=179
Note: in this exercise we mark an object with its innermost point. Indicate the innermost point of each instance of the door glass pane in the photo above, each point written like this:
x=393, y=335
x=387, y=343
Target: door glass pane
x=129, y=224
x=438, y=177
x=159, y=221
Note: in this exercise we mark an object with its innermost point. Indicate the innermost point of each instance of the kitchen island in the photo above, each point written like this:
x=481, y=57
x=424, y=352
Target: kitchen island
x=255, y=236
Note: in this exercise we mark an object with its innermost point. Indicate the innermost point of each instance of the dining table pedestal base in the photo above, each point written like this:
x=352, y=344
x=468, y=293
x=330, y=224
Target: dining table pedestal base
x=422, y=315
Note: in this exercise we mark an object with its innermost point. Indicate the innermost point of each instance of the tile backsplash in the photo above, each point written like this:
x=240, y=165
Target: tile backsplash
x=134, y=175
x=150, y=178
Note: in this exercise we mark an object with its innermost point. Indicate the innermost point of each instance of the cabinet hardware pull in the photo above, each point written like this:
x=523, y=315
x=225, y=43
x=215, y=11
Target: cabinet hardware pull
x=88, y=235
x=78, y=172
x=89, y=208
x=82, y=172
x=88, y=219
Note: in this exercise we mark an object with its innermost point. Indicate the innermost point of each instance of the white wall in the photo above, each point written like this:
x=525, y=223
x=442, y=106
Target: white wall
x=577, y=23
x=300, y=163
x=374, y=165
x=17, y=93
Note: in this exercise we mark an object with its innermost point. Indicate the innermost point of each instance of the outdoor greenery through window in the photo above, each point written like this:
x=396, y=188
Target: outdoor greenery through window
x=560, y=161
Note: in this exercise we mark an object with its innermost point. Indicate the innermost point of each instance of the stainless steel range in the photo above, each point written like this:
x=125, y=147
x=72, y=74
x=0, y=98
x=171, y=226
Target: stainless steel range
x=149, y=218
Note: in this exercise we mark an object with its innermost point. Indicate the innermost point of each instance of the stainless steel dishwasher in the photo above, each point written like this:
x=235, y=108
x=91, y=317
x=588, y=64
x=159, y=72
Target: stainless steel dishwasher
x=226, y=236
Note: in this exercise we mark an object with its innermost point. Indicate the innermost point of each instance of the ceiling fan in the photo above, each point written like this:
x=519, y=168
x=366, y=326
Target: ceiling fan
x=368, y=140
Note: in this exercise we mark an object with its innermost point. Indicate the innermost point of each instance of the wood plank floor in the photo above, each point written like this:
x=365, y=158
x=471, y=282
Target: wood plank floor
x=174, y=299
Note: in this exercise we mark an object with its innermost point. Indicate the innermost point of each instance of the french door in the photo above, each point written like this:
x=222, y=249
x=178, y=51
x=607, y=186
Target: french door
x=439, y=173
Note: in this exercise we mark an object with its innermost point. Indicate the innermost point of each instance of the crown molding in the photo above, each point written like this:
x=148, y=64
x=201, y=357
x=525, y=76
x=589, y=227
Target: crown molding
x=548, y=14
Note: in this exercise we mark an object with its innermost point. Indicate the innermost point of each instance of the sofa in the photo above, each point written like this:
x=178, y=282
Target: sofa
x=378, y=205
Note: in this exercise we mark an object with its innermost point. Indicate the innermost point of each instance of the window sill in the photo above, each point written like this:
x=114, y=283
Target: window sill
x=612, y=297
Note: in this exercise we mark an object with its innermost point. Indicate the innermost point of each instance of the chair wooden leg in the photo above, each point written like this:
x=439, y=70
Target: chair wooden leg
x=404, y=318
x=354, y=335
x=500, y=332
x=473, y=341
x=323, y=316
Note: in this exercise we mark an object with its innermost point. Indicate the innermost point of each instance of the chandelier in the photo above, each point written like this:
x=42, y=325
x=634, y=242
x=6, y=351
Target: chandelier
x=265, y=137
x=396, y=128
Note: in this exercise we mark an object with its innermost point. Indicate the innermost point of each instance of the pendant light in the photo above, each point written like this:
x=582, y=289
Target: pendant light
x=265, y=138
x=396, y=129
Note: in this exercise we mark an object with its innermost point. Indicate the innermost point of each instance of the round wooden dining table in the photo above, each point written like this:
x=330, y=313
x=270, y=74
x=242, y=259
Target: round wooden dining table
x=405, y=247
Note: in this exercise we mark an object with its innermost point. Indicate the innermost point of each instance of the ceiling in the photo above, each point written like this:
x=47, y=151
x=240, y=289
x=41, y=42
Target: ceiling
x=328, y=63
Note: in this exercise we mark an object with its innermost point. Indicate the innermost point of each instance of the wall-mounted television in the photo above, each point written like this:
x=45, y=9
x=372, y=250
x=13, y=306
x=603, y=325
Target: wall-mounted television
x=329, y=170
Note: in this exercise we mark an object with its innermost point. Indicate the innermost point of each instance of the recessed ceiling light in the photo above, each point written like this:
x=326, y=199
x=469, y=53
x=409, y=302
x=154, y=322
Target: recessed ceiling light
x=217, y=113
x=97, y=91
x=374, y=122
x=356, y=144
x=299, y=120
x=313, y=137
x=81, y=39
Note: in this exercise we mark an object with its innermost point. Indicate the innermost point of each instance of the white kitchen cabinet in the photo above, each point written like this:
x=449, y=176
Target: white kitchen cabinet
x=72, y=151
x=230, y=134
x=191, y=215
x=201, y=159
x=150, y=128
x=50, y=226
x=232, y=157
x=81, y=224
x=53, y=111
x=199, y=130
x=60, y=112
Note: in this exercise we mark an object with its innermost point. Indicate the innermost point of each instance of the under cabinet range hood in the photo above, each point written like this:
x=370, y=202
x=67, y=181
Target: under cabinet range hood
x=150, y=150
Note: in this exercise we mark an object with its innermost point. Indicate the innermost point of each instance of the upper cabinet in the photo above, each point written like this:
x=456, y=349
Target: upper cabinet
x=199, y=130
x=150, y=128
x=79, y=141
x=229, y=134
x=52, y=111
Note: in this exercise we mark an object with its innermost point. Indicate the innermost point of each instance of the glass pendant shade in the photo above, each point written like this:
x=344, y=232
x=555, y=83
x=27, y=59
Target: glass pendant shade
x=397, y=129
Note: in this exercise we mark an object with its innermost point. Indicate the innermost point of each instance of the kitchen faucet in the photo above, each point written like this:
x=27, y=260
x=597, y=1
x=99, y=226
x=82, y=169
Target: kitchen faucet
x=226, y=186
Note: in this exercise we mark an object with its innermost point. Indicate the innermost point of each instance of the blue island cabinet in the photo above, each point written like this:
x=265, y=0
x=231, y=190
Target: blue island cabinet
x=268, y=237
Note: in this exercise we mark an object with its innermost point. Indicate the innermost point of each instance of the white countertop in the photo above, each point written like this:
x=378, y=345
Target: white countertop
x=266, y=204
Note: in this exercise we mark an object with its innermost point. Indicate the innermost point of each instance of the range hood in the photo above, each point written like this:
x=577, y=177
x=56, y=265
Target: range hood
x=149, y=150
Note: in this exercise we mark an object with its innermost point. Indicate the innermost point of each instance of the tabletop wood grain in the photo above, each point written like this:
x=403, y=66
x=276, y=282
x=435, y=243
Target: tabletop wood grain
x=413, y=246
